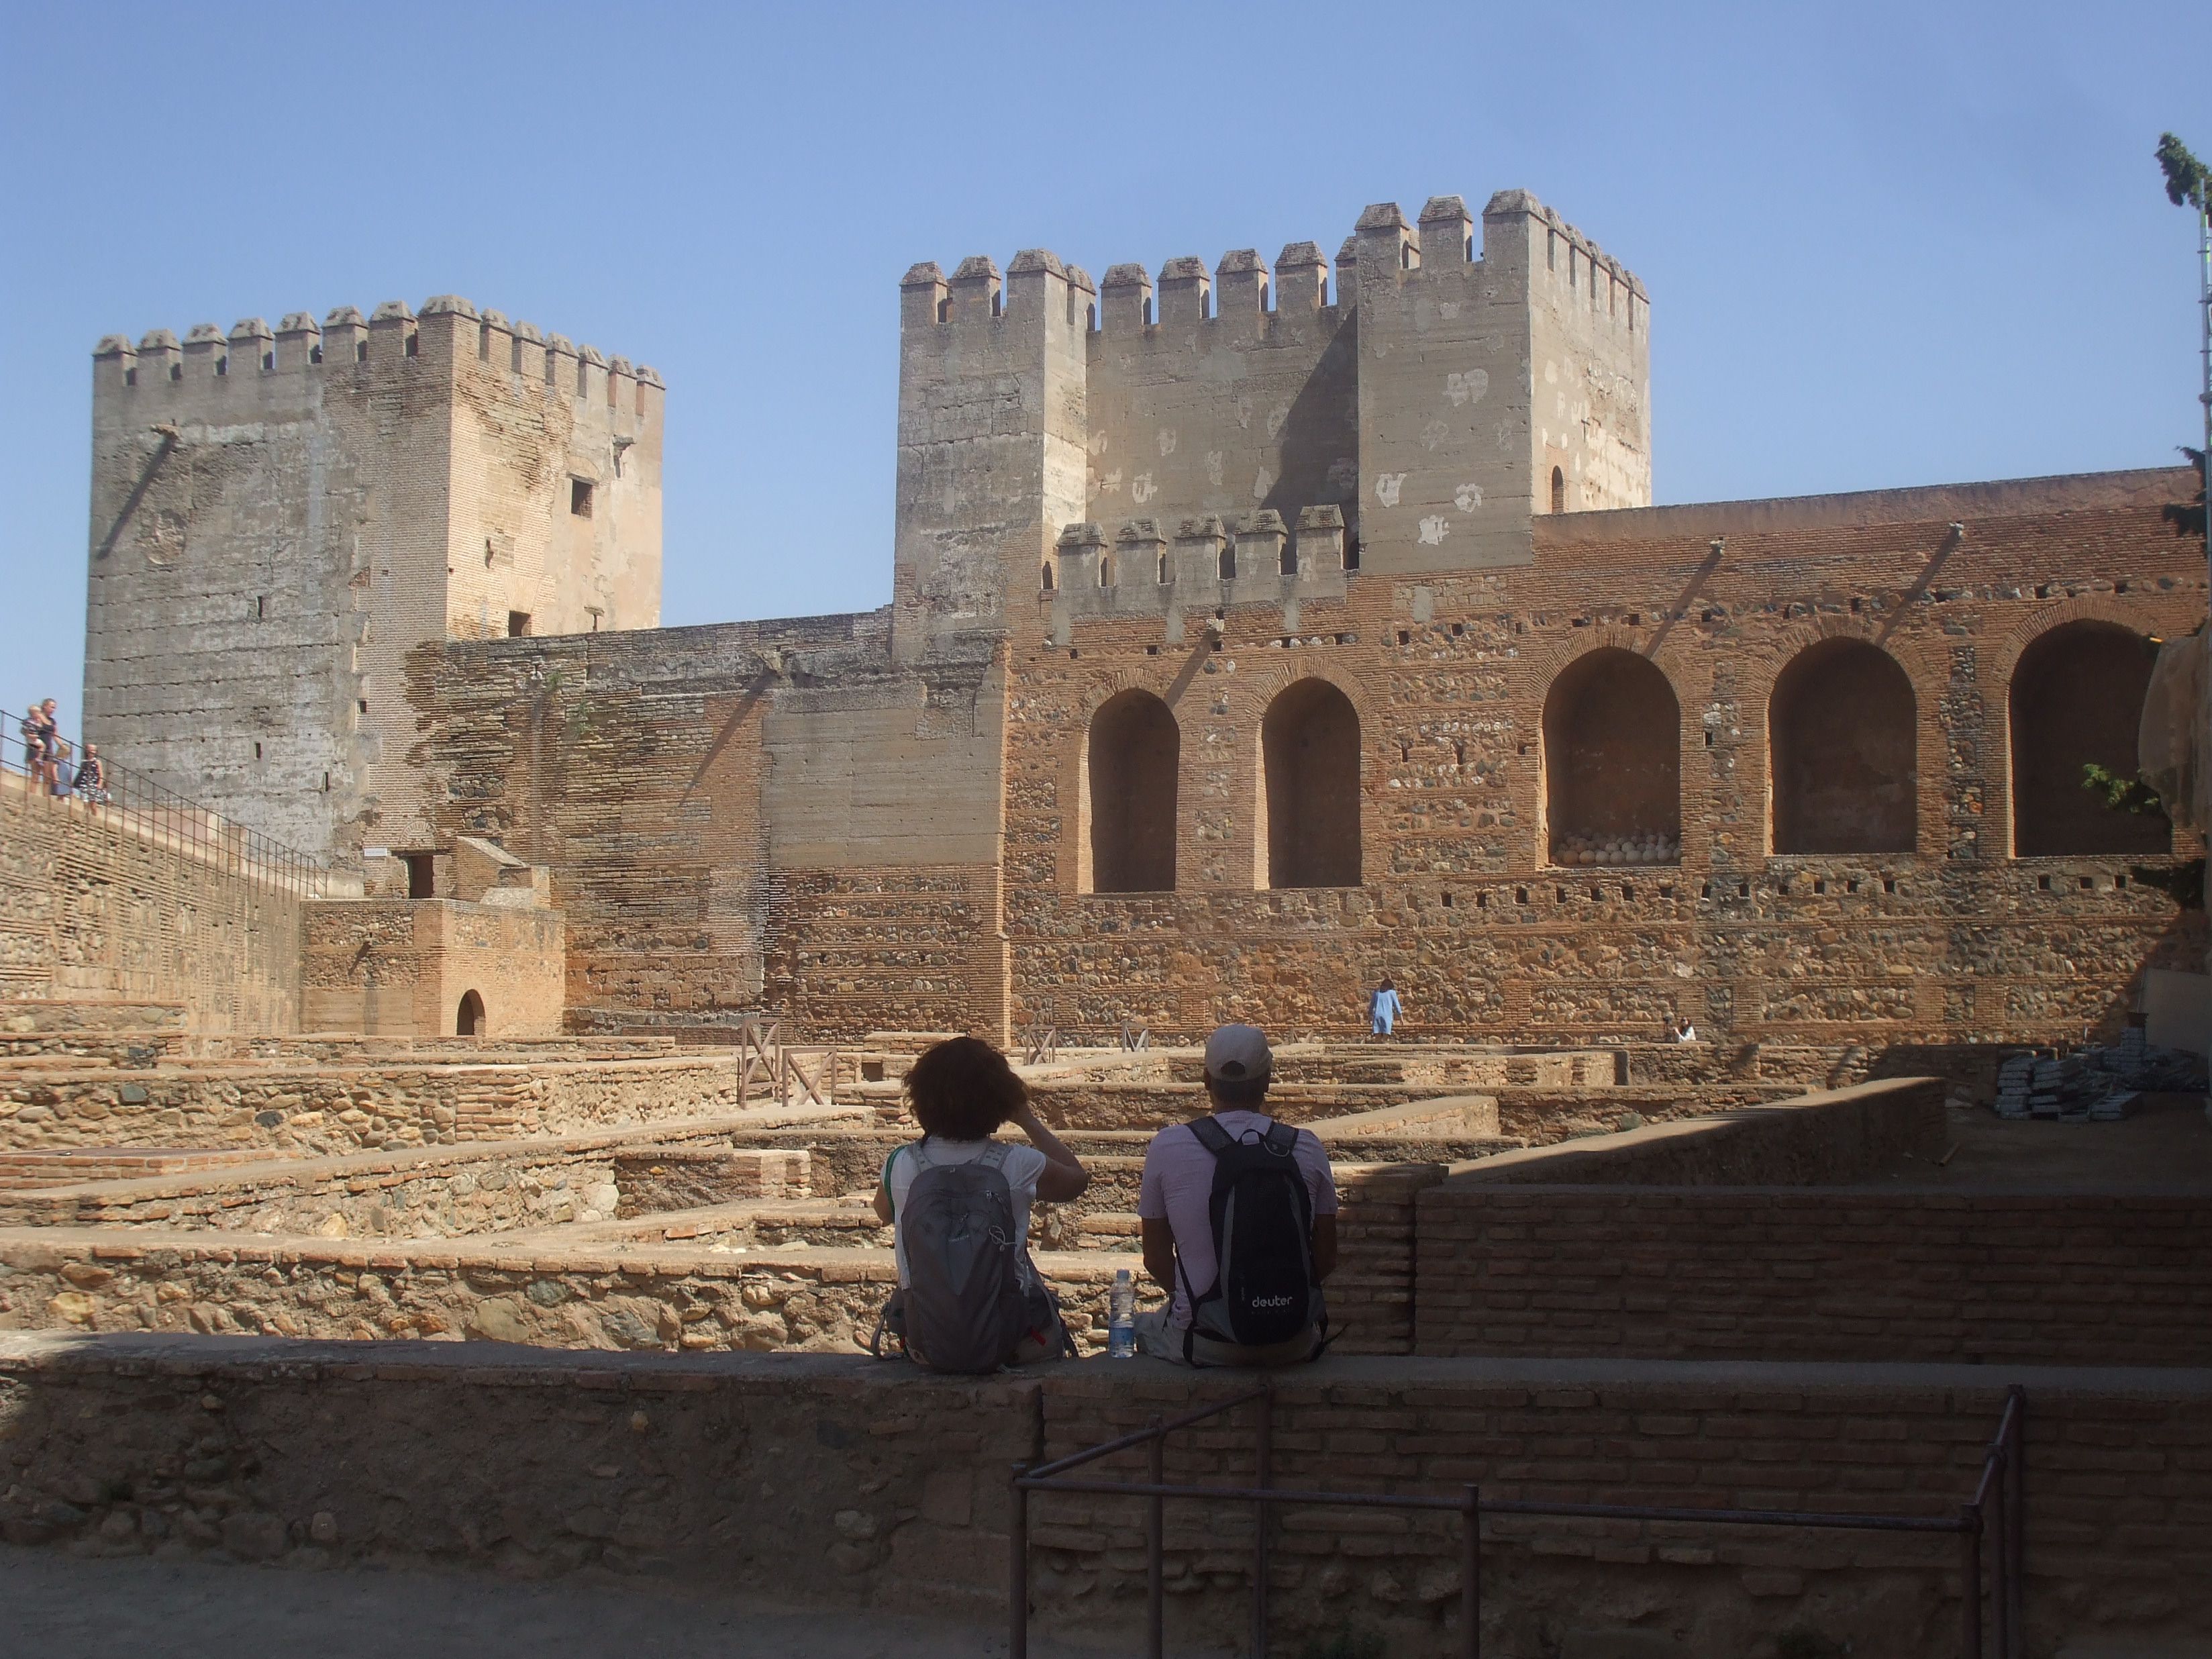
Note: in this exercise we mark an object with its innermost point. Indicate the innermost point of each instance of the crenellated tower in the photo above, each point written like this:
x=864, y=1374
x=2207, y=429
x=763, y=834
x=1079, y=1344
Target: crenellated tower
x=280, y=517
x=991, y=432
x=1250, y=434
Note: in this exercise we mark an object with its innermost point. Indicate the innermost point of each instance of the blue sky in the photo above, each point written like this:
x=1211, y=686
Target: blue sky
x=1885, y=245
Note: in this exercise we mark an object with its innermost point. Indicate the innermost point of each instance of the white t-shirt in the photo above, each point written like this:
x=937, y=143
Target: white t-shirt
x=1178, y=1188
x=1022, y=1166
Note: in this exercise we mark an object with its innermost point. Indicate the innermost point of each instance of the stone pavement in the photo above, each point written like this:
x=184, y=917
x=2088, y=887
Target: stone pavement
x=58, y=1606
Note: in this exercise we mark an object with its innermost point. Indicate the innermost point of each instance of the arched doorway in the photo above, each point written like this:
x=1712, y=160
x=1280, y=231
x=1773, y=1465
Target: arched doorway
x=1841, y=727
x=1310, y=793
x=470, y=1022
x=1613, y=762
x=2076, y=700
x=1132, y=758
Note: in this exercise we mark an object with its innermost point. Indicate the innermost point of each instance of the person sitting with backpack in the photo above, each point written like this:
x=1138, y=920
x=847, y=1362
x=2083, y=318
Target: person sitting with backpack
x=969, y=1299
x=1238, y=1214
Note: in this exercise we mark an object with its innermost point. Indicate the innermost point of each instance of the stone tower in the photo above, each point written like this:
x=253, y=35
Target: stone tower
x=278, y=520
x=1247, y=435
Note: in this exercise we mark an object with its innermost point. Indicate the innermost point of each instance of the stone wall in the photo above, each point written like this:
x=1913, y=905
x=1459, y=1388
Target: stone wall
x=398, y=967
x=327, y=1109
x=802, y=824
x=886, y=1487
x=805, y=1280
x=99, y=908
x=446, y=1192
x=1823, y=1139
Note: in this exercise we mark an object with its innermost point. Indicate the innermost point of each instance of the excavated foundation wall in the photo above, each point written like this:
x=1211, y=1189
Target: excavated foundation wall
x=845, y=1483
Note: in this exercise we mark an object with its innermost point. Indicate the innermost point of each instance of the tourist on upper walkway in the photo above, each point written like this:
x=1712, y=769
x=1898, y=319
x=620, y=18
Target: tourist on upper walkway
x=1384, y=1006
x=50, y=744
x=970, y=1298
x=1238, y=1214
x=91, y=780
x=1683, y=1031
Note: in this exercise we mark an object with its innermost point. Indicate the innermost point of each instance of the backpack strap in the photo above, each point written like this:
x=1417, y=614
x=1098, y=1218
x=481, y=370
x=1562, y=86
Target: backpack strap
x=1211, y=1135
x=995, y=1155
x=1281, y=1138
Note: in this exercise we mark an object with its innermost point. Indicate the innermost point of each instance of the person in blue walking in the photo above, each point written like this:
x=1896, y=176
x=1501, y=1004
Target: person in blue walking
x=1383, y=1007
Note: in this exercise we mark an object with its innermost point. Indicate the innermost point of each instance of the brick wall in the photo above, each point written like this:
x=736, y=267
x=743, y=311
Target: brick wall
x=93, y=908
x=1459, y=900
x=1509, y=1263
x=888, y=1489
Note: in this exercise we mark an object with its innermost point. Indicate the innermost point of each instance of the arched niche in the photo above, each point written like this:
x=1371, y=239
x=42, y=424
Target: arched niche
x=1131, y=755
x=1842, y=725
x=2076, y=700
x=1309, y=800
x=470, y=1020
x=1613, y=762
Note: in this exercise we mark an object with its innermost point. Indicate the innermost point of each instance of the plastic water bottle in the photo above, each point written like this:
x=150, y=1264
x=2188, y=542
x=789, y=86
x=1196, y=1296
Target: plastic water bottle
x=1121, y=1316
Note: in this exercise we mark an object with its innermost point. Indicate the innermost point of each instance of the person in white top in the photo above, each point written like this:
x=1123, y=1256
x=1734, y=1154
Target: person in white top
x=1175, y=1205
x=961, y=1092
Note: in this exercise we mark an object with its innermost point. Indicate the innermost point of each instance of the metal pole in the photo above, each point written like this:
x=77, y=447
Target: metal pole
x=2016, y=1528
x=1156, y=1589
x=1018, y=1566
x=1969, y=1579
x=2205, y=255
x=2001, y=1591
x=1470, y=1571
x=1260, y=1515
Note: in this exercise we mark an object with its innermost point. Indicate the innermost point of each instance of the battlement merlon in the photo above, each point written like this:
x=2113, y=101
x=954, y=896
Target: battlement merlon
x=446, y=332
x=977, y=294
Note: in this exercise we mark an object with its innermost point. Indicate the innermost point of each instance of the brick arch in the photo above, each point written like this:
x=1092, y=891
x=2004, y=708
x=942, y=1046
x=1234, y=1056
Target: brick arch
x=1541, y=661
x=1925, y=661
x=2071, y=692
x=1309, y=785
x=1075, y=865
x=1126, y=818
x=1262, y=686
x=1612, y=758
x=1844, y=726
x=1528, y=688
x=2003, y=652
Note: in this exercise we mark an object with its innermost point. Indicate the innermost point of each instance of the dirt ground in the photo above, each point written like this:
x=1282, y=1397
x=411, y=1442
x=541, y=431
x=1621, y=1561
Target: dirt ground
x=2165, y=1147
x=58, y=1606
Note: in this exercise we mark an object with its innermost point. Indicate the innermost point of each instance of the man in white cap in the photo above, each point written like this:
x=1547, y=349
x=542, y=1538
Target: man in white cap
x=1239, y=1219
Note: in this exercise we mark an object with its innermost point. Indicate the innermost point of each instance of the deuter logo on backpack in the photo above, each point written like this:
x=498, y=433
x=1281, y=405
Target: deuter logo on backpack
x=1262, y=1216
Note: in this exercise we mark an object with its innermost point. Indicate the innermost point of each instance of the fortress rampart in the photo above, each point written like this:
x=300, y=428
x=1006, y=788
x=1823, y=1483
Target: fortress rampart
x=1256, y=630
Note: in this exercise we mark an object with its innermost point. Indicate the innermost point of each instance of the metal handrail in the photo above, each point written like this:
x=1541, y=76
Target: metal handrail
x=134, y=802
x=2000, y=1492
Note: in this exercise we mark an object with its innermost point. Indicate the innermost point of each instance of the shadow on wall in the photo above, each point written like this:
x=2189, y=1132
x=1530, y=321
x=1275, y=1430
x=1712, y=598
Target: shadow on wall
x=1841, y=734
x=1130, y=766
x=2077, y=699
x=1309, y=754
x=1613, y=762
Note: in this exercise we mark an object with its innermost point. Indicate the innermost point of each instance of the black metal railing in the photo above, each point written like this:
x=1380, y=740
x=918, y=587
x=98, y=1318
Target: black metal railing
x=135, y=805
x=1999, y=1495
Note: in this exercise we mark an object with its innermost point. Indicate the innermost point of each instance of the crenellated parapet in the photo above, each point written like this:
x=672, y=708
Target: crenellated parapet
x=448, y=331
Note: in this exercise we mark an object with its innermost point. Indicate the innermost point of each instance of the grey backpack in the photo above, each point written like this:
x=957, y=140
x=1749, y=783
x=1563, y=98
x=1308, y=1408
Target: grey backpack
x=964, y=1309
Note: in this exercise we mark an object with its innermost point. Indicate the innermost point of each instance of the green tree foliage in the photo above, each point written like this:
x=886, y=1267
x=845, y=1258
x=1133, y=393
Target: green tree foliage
x=2187, y=518
x=2122, y=794
x=2188, y=180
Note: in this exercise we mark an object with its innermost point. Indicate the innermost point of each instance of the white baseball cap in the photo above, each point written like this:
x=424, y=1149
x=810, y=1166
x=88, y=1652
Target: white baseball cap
x=1236, y=1053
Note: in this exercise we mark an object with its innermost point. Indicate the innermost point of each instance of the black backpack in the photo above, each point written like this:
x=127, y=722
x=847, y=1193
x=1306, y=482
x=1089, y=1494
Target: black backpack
x=1261, y=1215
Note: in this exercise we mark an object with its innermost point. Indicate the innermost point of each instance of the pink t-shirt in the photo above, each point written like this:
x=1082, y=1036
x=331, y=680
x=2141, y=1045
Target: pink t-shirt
x=1178, y=1188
